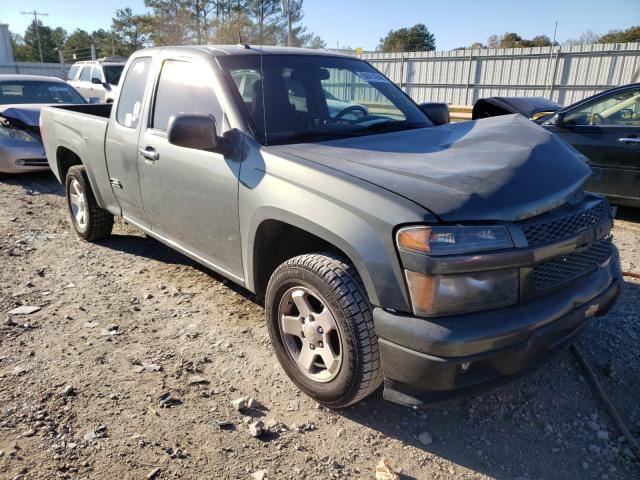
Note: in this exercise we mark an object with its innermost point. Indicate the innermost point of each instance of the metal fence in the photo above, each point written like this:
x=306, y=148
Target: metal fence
x=564, y=74
x=29, y=68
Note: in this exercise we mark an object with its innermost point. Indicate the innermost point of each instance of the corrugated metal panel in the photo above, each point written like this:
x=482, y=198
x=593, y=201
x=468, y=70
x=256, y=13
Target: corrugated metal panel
x=565, y=74
x=28, y=68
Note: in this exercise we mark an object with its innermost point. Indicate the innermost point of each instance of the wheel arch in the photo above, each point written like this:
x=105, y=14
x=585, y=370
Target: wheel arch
x=266, y=249
x=67, y=158
x=269, y=251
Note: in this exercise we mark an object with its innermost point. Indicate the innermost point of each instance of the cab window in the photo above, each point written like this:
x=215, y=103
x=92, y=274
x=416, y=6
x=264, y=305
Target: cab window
x=72, y=72
x=184, y=87
x=85, y=74
x=295, y=90
x=132, y=93
x=97, y=73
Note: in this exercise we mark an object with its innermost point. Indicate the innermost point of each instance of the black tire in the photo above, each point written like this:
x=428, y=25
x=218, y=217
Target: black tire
x=338, y=284
x=99, y=222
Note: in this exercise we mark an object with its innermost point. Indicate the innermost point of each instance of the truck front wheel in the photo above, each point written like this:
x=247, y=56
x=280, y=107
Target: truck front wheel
x=89, y=220
x=321, y=326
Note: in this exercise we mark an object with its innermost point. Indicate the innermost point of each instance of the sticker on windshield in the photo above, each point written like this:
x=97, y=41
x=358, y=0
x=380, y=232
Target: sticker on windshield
x=372, y=77
x=55, y=88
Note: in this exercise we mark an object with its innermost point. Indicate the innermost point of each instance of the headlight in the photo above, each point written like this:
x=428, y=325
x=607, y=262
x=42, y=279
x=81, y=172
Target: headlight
x=448, y=294
x=459, y=293
x=9, y=133
x=449, y=240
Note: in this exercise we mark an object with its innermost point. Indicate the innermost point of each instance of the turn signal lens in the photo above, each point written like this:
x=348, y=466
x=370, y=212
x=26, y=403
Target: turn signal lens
x=415, y=239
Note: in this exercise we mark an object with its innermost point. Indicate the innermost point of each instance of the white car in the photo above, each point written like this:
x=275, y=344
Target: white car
x=97, y=79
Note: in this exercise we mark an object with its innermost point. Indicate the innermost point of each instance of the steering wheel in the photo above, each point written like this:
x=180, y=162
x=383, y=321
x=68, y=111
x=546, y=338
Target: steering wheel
x=596, y=119
x=350, y=109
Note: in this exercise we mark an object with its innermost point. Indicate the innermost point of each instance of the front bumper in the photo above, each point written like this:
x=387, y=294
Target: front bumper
x=431, y=360
x=20, y=157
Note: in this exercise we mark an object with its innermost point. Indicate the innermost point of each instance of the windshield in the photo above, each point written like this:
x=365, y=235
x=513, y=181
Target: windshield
x=112, y=73
x=37, y=92
x=302, y=98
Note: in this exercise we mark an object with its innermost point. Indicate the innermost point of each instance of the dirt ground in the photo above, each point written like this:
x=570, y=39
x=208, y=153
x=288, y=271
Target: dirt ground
x=126, y=321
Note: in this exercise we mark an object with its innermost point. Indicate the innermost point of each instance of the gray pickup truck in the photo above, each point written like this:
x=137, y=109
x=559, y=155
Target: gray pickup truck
x=389, y=245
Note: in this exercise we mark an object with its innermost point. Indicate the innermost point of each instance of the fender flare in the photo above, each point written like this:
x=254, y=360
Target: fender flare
x=350, y=245
x=92, y=180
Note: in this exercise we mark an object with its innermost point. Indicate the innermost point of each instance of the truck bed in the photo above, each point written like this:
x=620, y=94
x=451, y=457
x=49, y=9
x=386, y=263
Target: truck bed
x=97, y=109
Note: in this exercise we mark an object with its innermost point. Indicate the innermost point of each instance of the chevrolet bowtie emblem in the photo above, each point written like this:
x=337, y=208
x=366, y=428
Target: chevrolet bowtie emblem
x=587, y=239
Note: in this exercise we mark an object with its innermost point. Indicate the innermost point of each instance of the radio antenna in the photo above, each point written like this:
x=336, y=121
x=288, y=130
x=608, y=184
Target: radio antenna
x=264, y=112
x=240, y=42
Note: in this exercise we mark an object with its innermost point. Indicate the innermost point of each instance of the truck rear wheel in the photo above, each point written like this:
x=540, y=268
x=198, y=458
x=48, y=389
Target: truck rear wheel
x=321, y=326
x=89, y=220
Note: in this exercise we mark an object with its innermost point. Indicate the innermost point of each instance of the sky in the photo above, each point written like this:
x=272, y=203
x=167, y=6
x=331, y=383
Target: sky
x=361, y=23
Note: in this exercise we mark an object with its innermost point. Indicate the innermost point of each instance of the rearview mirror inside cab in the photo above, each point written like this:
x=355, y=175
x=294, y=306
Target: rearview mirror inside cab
x=438, y=113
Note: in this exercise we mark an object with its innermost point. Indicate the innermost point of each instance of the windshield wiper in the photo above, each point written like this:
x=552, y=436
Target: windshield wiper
x=392, y=124
x=316, y=135
x=313, y=136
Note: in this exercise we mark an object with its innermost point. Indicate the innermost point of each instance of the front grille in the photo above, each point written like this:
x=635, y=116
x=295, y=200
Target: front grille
x=562, y=270
x=546, y=230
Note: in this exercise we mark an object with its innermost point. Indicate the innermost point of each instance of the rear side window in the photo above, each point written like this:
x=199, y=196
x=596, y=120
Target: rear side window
x=72, y=72
x=85, y=74
x=112, y=73
x=184, y=87
x=132, y=93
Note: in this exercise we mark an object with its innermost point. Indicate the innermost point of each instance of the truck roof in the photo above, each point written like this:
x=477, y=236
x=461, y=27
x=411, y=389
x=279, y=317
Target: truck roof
x=229, y=50
x=104, y=61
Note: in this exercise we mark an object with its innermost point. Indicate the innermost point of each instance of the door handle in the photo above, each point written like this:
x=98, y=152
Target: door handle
x=629, y=139
x=150, y=154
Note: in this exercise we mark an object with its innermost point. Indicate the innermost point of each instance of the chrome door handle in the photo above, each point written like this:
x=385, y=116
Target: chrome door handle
x=629, y=140
x=149, y=153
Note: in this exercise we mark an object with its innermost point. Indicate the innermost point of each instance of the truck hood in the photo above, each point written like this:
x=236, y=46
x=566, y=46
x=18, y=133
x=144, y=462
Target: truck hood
x=502, y=168
x=530, y=107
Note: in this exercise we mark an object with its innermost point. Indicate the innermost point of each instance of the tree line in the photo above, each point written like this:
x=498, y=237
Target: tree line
x=184, y=22
x=170, y=22
x=419, y=39
x=513, y=40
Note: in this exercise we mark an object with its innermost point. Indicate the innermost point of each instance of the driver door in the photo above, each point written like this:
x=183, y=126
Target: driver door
x=97, y=89
x=190, y=195
x=607, y=131
x=84, y=82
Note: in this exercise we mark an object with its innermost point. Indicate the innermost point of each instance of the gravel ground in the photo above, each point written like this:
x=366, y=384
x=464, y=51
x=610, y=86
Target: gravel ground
x=83, y=380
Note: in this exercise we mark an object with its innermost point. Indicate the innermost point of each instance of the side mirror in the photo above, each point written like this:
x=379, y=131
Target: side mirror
x=559, y=118
x=96, y=81
x=94, y=100
x=437, y=112
x=197, y=132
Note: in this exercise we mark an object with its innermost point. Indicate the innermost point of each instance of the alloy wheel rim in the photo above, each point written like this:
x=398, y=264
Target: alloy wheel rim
x=310, y=334
x=78, y=204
